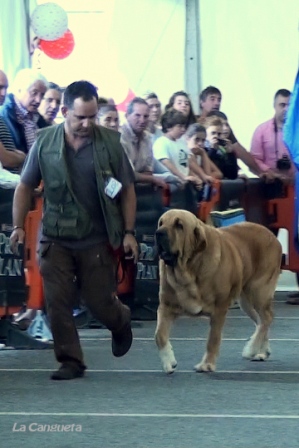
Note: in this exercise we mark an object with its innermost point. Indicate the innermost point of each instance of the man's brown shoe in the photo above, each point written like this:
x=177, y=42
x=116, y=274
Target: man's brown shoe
x=122, y=340
x=67, y=372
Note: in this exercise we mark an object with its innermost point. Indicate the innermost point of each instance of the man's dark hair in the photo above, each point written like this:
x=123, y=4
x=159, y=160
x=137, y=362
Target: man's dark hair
x=136, y=100
x=282, y=92
x=53, y=85
x=210, y=90
x=217, y=113
x=105, y=108
x=171, y=118
x=79, y=89
x=151, y=96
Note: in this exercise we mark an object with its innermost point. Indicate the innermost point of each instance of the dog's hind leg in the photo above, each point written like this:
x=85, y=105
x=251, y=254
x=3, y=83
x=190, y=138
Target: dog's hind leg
x=260, y=310
x=165, y=318
x=208, y=362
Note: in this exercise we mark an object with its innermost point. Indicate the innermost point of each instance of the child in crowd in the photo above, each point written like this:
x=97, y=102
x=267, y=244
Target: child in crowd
x=172, y=151
x=199, y=161
x=108, y=117
x=220, y=150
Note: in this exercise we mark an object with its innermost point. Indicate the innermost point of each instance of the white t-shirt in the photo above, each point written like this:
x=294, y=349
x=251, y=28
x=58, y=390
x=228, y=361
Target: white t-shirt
x=176, y=151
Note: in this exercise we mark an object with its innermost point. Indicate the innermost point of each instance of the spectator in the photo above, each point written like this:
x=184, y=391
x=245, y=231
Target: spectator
x=180, y=101
x=199, y=162
x=138, y=146
x=171, y=150
x=20, y=110
x=210, y=100
x=50, y=104
x=84, y=218
x=108, y=116
x=220, y=152
x=267, y=145
x=271, y=154
x=154, y=116
x=10, y=158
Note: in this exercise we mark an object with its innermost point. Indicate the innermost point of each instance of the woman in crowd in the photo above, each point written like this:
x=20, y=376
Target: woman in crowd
x=181, y=102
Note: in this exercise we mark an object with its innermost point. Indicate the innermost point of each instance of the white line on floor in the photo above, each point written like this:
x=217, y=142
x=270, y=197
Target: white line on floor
x=191, y=339
x=160, y=415
x=246, y=372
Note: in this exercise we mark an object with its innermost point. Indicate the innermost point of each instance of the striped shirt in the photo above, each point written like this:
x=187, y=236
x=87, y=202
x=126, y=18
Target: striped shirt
x=29, y=122
x=5, y=136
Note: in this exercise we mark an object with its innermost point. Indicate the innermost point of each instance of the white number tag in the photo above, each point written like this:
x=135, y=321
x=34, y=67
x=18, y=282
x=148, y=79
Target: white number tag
x=112, y=187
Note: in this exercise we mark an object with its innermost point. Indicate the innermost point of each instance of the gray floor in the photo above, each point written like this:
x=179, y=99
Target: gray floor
x=130, y=402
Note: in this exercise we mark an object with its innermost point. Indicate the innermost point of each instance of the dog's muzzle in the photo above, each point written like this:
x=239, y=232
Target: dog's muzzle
x=164, y=250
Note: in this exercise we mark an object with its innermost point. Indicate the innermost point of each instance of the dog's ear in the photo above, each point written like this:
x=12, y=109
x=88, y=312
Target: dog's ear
x=200, y=238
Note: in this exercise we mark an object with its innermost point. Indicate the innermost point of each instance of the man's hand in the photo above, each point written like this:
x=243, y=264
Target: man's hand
x=159, y=182
x=196, y=181
x=131, y=246
x=228, y=145
x=269, y=176
x=17, y=237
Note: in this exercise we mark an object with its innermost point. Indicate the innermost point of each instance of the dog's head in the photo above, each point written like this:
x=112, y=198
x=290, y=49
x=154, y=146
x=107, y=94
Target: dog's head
x=179, y=236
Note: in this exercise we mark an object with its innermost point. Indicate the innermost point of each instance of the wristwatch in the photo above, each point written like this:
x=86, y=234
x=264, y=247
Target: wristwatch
x=130, y=232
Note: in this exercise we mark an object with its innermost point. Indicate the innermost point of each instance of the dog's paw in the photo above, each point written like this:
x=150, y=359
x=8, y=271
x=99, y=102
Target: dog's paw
x=168, y=360
x=252, y=354
x=260, y=357
x=205, y=366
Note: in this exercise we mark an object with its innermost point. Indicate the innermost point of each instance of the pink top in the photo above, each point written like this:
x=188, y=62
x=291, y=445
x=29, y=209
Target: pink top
x=266, y=148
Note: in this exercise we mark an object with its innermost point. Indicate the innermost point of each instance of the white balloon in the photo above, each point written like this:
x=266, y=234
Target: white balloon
x=49, y=21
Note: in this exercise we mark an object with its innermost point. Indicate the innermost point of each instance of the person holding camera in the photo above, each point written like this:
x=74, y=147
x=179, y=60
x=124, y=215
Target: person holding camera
x=219, y=149
x=271, y=154
x=267, y=145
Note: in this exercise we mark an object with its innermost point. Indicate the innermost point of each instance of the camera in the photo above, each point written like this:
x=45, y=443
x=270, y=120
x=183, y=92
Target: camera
x=221, y=142
x=284, y=163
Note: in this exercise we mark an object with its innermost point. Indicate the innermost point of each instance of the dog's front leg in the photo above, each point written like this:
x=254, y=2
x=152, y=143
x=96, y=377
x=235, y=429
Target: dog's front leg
x=208, y=362
x=165, y=318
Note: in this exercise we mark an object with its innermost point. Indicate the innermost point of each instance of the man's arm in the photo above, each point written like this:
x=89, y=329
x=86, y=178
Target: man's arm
x=11, y=158
x=149, y=178
x=128, y=206
x=247, y=158
x=21, y=206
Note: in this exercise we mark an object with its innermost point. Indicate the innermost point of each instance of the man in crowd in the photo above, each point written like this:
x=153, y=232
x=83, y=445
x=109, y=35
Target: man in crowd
x=138, y=146
x=20, y=110
x=154, y=105
x=271, y=154
x=210, y=100
x=89, y=212
x=50, y=104
x=10, y=158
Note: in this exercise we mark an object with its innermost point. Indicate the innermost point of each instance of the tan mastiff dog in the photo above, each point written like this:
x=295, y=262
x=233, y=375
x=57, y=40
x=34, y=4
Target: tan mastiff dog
x=203, y=269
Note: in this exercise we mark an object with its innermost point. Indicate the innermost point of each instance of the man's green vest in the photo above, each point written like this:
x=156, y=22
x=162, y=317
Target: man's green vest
x=63, y=216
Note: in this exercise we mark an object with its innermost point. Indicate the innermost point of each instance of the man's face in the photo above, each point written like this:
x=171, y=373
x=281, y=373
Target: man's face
x=31, y=98
x=110, y=120
x=212, y=102
x=154, y=109
x=50, y=104
x=80, y=118
x=3, y=86
x=281, y=105
x=139, y=118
